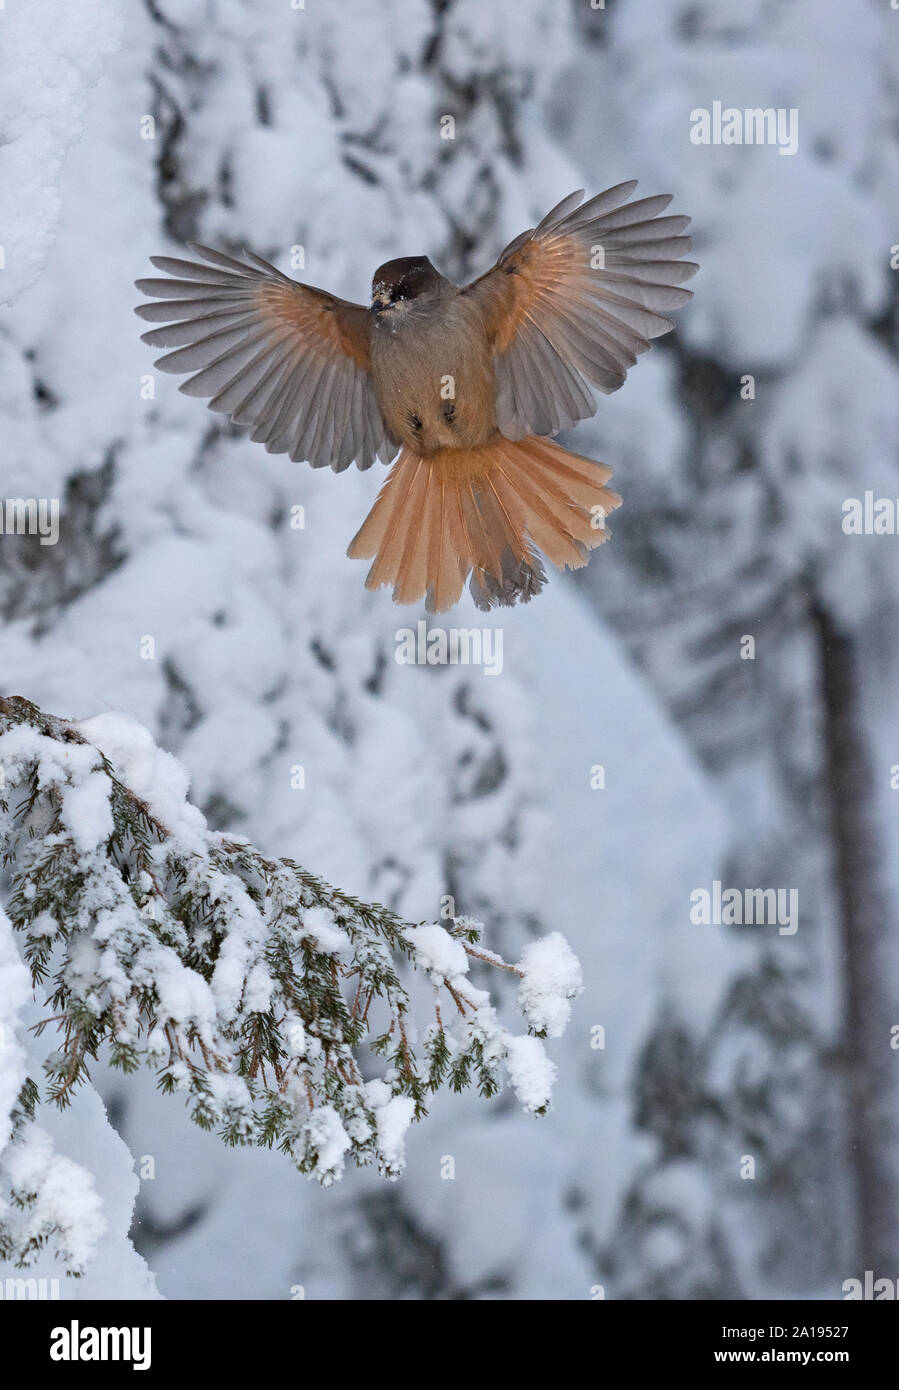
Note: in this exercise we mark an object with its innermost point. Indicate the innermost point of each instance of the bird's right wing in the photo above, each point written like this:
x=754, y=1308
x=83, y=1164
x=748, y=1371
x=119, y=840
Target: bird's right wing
x=291, y=361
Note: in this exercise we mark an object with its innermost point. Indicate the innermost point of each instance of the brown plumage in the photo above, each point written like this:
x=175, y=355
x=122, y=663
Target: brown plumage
x=468, y=383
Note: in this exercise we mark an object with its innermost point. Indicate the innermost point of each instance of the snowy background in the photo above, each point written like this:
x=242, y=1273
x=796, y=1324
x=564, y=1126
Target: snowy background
x=127, y=128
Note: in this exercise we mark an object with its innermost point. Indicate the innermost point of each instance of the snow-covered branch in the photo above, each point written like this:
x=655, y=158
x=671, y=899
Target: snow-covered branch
x=271, y=1001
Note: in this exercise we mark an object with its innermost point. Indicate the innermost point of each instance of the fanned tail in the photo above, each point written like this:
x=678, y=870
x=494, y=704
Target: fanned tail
x=486, y=512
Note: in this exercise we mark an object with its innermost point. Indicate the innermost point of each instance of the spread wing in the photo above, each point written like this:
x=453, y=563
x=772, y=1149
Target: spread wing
x=570, y=305
x=291, y=361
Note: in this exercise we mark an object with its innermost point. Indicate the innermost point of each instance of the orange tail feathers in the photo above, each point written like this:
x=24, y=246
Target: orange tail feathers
x=484, y=512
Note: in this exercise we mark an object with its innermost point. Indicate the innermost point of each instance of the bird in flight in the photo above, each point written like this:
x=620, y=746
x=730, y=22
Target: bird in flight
x=466, y=383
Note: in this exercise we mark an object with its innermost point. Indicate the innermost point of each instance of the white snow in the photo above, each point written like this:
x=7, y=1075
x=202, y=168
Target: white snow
x=54, y=55
x=551, y=979
x=86, y=811
x=152, y=774
x=393, y=1115
x=319, y=924
x=332, y=1141
x=531, y=1072
x=438, y=953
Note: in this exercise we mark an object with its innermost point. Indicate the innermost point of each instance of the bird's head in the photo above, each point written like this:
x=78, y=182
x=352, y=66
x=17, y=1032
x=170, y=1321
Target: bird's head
x=410, y=277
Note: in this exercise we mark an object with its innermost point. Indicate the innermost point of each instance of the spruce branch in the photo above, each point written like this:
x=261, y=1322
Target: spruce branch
x=278, y=1006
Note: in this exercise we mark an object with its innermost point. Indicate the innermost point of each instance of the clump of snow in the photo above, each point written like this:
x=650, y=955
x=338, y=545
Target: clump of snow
x=151, y=773
x=551, y=978
x=437, y=953
x=67, y=1208
x=331, y=1141
x=297, y=1039
x=57, y=763
x=319, y=924
x=86, y=812
x=531, y=1072
x=393, y=1116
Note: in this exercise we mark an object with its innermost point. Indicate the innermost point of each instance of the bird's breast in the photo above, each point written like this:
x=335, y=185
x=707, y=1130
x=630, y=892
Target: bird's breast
x=433, y=374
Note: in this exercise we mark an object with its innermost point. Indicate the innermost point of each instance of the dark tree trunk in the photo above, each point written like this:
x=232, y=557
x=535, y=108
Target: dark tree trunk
x=865, y=921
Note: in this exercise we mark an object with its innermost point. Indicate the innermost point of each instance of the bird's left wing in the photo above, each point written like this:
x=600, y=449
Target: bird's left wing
x=570, y=305
x=291, y=361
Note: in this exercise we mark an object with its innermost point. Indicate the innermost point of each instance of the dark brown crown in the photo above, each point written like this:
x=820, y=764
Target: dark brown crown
x=405, y=278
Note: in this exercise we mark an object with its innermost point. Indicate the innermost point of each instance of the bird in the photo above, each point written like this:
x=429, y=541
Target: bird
x=460, y=388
